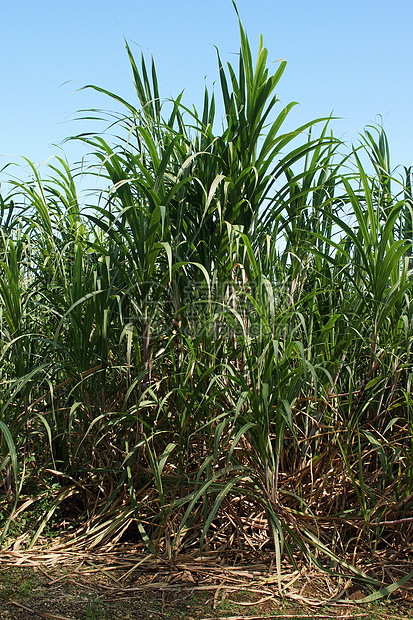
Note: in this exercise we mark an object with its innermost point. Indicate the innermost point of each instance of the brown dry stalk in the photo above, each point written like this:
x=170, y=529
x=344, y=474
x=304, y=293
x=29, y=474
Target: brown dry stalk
x=395, y=522
x=39, y=613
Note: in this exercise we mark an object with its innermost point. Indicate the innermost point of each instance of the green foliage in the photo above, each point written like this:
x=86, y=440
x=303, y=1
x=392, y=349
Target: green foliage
x=94, y=609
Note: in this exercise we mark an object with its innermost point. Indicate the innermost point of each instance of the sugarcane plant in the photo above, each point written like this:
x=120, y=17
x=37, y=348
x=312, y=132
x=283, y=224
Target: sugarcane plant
x=219, y=337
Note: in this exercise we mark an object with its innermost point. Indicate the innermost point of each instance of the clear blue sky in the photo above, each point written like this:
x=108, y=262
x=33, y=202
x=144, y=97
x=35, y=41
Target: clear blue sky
x=352, y=57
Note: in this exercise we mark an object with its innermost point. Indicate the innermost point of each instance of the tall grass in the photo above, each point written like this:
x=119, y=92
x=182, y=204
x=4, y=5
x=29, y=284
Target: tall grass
x=221, y=338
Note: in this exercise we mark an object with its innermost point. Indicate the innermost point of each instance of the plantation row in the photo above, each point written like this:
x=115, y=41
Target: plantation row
x=216, y=348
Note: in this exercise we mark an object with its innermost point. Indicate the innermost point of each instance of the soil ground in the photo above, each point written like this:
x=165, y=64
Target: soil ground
x=62, y=593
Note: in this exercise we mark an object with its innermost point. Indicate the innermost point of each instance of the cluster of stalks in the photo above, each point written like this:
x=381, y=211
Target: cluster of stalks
x=215, y=349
